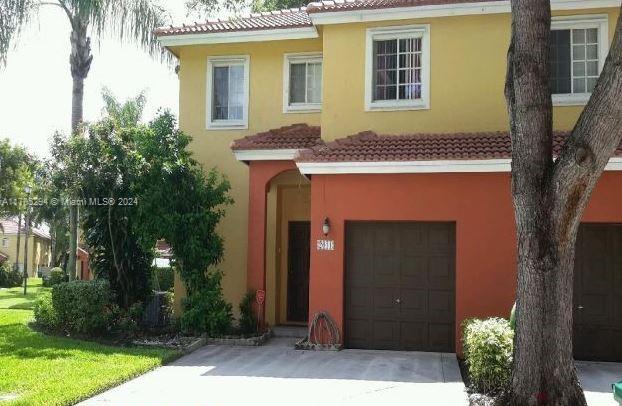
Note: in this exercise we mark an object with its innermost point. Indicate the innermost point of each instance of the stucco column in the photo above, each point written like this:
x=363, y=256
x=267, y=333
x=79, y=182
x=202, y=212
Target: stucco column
x=260, y=174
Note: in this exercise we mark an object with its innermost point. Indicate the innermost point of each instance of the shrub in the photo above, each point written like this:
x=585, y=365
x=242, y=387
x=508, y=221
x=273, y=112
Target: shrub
x=9, y=278
x=45, y=315
x=488, y=353
x=163, y=279
x=83, y=307
x=57, y=275
x=513, y=317
x=248, y=320
x=206, y=311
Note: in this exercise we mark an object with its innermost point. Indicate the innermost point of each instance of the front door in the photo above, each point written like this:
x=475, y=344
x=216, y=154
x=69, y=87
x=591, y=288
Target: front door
x=298, y=271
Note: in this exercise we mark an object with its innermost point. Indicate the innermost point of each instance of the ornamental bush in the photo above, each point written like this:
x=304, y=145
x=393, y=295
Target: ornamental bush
x=57, y=275
x=248, y=320
x=45, y=315
x=163, y=279
x=83, y=307
x=488, y=353
x=9, y=278
x=206, y=311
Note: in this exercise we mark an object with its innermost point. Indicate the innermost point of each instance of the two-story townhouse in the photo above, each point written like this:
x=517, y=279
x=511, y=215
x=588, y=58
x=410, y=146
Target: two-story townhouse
x=39, y=246
x=366, y=144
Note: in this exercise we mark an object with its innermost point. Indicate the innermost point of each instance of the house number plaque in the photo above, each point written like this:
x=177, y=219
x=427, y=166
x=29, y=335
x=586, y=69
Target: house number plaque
x=325, y=245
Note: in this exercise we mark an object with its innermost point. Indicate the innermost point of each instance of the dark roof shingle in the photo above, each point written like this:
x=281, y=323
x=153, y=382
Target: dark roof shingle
x=295, y=136
x=291, y=18
x=370, y=147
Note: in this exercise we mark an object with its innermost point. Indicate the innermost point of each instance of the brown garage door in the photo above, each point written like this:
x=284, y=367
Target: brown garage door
x=400, y=286
x=598, y=293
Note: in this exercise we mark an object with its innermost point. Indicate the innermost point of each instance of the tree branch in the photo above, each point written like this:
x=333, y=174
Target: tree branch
x=593, y=141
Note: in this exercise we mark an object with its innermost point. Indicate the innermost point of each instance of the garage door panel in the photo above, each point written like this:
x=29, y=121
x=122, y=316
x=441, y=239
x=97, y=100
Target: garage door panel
x=414, y=335
x=414, y=304
x=441, y=336
x=359, y=302
x=414, y=271
x=441, y=306
x=386, y=334
x=362, y=270
x=384, y=303
x=359, y=332
x=413, y=287
x=597, y=296
x=441, y=272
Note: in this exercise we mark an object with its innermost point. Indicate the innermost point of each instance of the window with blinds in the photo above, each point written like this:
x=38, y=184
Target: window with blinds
x=227, y=99
x=398, y=68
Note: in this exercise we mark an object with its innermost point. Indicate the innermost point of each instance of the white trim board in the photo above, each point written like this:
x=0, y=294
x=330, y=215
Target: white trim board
x=265, y=154
x=238, y=36
x=445, y=10
x=447, y=166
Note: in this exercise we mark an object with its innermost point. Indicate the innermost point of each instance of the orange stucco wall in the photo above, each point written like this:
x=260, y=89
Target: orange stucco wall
x=479, y=204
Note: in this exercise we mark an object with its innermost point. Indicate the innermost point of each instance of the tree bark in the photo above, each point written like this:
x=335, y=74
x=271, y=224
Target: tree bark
x=549, y=200
x=80, y=61
x=19, y=235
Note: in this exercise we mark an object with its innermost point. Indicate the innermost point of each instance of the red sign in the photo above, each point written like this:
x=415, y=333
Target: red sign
x=260, y=296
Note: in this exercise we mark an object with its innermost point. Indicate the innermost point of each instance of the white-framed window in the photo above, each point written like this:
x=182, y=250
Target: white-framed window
x=5, y=243
x=302, y=83
x=397, y=68
x=227, y=92
x=579, y=46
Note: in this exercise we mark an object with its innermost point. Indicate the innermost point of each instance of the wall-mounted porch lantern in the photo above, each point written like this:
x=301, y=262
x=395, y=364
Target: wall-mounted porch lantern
x=326, y=226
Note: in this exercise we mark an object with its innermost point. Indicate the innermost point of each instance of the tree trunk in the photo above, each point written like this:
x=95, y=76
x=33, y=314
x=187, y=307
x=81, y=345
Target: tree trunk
x=27, y=223
x=19, y=236
x=549, y=200
x=80, y=61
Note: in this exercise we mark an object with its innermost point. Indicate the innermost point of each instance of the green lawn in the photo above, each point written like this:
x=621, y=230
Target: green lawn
x=47, y=370
x=14, y=298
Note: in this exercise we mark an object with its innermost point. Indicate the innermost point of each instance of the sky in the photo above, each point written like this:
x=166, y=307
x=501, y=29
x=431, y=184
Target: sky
x=35, y=86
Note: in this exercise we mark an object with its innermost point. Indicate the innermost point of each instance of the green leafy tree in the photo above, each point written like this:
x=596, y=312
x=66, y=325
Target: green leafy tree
x=124, y=19
x=237, y=7
x=16, y=171
x=124, y=114
x=183, y=205
x=271, y=5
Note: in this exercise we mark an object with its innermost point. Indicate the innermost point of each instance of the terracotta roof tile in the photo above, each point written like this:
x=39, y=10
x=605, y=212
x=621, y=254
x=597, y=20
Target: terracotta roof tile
x=10, y=225
x=370, y=147
x=291, y=18
x=350, y=5
x=296, y=136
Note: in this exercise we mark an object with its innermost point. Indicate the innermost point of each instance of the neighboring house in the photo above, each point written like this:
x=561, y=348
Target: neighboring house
x=39, y=246
x=163, y=254
x=367, y=148
x=83, y=269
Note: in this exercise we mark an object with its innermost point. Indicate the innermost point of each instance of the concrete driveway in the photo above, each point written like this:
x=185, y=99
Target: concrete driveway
x=596, y=379
x=278, y=375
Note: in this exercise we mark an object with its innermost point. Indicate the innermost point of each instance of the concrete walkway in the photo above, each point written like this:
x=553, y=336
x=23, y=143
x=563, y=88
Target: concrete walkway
x=596, y=379
x=278, y=375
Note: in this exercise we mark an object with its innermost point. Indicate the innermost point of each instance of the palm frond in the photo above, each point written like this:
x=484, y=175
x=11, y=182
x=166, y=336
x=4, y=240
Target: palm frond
x=14, y=15
x=128, y=20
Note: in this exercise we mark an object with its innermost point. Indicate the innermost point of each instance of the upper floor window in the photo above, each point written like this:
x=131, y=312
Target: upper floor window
x=227, y=92
x=578, y=50
x=5, y=243
x=398, y=68
x=302, y=83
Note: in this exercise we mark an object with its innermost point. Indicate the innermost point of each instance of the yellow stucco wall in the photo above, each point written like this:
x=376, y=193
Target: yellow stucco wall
x=468, y=57
x=211, y=148
x=468, y=65
x=39, y=253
